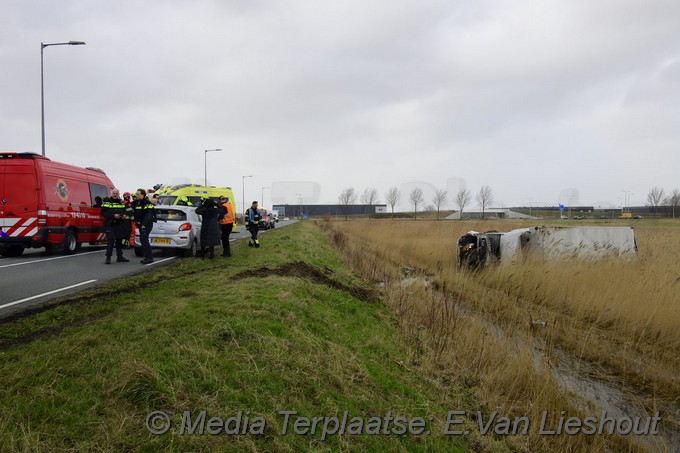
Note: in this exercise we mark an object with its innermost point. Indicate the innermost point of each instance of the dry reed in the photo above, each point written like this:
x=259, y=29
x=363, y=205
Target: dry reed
x=502, y=330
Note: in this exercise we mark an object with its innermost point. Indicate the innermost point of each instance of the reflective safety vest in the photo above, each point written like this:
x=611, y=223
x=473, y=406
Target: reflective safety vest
x=253, y=216
x=229, y=216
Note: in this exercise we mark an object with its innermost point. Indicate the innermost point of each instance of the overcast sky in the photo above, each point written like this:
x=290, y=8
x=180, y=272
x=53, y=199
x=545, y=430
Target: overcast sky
x=529, y=98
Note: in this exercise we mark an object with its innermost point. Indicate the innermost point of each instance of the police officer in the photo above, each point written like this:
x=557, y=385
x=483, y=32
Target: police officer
x=226, y=225
x=113, y=211
x=183, y=201
x=144, y=219
x=252, y=220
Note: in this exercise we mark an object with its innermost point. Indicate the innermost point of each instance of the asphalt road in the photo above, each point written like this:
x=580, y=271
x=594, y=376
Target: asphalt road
x=35, y=278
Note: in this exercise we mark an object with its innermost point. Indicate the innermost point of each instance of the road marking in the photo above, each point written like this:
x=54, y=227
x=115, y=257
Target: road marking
x=160, y=261
x=47, y=294
x=49, y=259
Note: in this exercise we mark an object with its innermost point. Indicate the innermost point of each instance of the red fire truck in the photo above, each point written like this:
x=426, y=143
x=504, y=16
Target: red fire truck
x=49, y=204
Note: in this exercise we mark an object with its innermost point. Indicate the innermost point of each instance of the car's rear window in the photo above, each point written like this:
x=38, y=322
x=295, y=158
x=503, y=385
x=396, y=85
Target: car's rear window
x=170, y=214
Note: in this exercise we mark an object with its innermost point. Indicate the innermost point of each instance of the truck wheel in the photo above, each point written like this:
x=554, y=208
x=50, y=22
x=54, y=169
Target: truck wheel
x=139, y=251
x=71, y=244
x=13, y=250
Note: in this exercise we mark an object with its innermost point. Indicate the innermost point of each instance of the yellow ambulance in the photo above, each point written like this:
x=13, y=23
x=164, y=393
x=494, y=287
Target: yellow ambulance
x=191, y=194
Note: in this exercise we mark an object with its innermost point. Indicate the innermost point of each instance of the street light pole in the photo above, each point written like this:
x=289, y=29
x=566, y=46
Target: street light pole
x=205, y=164
x=243, y=191
x=42, y=82
x=626, y=192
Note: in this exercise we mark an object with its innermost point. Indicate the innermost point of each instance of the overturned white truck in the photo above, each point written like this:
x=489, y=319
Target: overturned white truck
x=478, y=249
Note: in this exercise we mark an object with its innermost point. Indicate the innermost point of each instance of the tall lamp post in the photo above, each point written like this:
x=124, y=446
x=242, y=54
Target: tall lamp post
x=42, y=82
x=243, y=191
x=263, y=195
x=626, y=199
x=205, y=164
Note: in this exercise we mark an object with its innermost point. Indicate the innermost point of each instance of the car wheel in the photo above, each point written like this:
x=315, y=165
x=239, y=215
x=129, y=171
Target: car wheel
x=71, y=245
x=13, y=250
x=139, y=251
x=191, y=251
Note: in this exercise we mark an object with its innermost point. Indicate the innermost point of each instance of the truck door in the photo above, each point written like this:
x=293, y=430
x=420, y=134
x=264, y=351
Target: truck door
x=18, y=197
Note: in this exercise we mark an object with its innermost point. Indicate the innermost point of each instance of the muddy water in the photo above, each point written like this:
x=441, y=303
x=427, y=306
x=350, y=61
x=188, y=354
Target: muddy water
x=595, y=390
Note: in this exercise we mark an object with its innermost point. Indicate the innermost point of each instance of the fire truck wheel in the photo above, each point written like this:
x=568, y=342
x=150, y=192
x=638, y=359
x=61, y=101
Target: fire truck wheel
x=14, y=250
x=71, y=244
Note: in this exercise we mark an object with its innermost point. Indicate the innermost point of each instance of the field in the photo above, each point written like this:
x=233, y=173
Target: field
x=368, y=317
x=579, y=337
x=282, y=328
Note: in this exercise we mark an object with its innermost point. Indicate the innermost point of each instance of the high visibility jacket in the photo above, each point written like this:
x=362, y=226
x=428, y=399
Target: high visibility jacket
x=253, y=216
x=229, y=215
x=111, y=207
x=129, y=211
x=144, y=212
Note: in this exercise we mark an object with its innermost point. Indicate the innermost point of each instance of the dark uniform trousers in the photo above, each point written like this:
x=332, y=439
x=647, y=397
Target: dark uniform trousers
x=114, y=237
x=226, y=229
x=254, y=229
x=144, y=240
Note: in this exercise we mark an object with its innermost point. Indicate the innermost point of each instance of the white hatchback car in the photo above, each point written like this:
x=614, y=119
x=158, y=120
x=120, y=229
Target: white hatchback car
x=176, y=227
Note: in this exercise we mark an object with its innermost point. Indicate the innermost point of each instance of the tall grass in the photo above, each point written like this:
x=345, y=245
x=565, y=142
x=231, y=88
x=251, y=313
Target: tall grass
x=503, y=329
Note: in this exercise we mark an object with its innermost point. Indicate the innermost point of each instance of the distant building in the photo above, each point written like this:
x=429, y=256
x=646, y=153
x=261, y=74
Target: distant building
x=334, y=210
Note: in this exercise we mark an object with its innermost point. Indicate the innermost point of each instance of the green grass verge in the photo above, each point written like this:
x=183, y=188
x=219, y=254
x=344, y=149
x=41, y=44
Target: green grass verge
x=271, y=329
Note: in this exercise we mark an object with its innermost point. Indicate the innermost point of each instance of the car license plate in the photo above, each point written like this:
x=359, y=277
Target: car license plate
x=160, y=241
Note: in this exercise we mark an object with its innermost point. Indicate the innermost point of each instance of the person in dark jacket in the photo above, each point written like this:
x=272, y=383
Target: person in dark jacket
x=128, y=233
x=113, y=211
x=210, y=228
x=144, y=219
x=252, y=221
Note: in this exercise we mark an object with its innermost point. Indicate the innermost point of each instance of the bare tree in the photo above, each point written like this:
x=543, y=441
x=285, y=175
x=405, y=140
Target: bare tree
x=439, y=199
x=393, y=196
x=673, y=200
x=369, y=197
x=347, y=197
x=416, y=198
x=462, y=200
x=484, y=198
x=655, y=197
